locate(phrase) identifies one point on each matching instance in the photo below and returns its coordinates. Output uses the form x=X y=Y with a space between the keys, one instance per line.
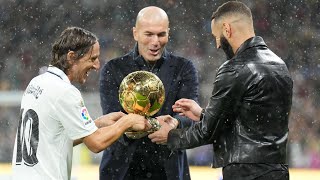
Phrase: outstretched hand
x=188 y=108
x=167 y=123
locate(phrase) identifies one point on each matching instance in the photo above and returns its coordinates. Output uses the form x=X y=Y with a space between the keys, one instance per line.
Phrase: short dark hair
x=231 y=7
x=71 y=39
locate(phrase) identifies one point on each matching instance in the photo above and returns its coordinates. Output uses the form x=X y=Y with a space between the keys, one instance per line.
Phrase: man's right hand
x=138 y=122
x=189 y=108
x=109 y=119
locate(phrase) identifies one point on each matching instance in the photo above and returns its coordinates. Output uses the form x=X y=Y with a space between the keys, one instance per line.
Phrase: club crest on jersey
x=85 y=116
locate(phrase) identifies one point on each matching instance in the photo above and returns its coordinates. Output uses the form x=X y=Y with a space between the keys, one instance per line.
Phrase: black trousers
x=261 y=171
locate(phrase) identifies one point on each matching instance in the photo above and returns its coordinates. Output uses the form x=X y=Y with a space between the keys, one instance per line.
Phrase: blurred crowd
x=289 y=27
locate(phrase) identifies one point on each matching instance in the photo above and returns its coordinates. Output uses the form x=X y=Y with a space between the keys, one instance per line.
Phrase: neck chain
x=151 y=66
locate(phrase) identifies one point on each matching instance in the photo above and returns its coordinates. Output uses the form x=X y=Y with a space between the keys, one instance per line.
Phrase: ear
x=135 y=33
x=226 y=30
x=70 y=57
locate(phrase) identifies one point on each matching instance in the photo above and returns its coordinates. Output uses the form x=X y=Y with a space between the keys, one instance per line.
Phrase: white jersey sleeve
x=73 y=114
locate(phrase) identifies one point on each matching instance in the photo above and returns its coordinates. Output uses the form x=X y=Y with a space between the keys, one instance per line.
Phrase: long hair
x=71 y=39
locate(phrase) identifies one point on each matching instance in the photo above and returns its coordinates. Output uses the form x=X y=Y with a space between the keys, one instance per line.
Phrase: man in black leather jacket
x=246 y=118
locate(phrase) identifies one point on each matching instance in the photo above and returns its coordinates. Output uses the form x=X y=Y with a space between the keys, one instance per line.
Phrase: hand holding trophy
x=143 y=93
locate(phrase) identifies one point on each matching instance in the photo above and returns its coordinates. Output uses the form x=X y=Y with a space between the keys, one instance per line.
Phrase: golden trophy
x=142 y=92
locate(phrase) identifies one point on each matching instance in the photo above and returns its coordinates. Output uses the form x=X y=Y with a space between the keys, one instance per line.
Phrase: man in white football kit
x=53 y=117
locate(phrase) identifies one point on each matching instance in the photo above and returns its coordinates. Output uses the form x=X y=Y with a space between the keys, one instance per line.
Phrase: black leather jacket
x=246 y=119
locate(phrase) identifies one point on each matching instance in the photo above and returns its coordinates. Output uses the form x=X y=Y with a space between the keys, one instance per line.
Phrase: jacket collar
x=250 y=43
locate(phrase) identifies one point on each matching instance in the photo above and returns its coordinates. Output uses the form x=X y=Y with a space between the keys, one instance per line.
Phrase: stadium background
x=291 y=28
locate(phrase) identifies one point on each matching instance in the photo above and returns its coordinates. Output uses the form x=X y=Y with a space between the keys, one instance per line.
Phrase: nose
x=155 y=40
x=96 y=64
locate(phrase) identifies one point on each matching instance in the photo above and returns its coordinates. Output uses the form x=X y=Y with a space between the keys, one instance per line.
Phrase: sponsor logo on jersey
x=85 y=116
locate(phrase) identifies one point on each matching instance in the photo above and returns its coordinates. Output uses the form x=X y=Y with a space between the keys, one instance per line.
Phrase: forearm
x=99 y=123
x=186 y=138
x=213 y=123
x=105 y=136
x=183 y=121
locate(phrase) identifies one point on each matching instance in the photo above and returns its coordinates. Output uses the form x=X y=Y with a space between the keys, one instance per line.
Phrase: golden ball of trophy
x=141 y=92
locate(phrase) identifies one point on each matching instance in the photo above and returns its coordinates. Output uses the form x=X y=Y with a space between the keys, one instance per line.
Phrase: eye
x=163 y=34
x=93 y=59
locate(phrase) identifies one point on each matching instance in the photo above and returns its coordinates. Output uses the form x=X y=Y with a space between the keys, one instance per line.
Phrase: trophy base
x=139 y=134
x=136 y=134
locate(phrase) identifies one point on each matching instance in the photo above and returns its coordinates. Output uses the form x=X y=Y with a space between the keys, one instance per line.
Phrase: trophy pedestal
x=136 y=134
x=155 y=126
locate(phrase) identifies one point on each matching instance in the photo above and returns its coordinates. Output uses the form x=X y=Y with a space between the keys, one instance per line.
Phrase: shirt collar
x=59 y=73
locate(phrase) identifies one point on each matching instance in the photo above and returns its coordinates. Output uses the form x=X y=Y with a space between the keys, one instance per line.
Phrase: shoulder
x=178 y=59
x=48 y=80
x=228 y=66
x=117 y=62
x=180 y=62
x=260 y=59
x=233 y=71
x=68 y=95
x=67 y=90
x=52 y=87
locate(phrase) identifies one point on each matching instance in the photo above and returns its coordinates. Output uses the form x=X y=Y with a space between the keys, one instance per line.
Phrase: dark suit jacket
x=128 y=157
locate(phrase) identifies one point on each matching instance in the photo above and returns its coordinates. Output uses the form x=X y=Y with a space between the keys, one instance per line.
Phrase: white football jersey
x=52 y=115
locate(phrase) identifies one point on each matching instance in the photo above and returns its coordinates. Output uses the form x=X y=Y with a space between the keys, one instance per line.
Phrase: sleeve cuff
x=173 y=139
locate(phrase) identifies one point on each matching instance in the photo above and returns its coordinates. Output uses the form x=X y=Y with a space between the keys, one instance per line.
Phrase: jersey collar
x=59 y=73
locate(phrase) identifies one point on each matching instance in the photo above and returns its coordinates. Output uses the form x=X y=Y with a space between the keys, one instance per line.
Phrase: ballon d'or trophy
x=142 y=92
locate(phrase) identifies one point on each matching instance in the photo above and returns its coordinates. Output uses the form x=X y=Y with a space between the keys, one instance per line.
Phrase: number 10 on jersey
x=27 y=138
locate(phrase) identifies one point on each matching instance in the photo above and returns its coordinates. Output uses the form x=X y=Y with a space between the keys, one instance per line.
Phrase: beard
x=226 y=47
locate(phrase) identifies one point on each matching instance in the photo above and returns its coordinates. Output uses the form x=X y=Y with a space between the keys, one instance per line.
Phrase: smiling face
x=80 y=68
x=151 y=32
